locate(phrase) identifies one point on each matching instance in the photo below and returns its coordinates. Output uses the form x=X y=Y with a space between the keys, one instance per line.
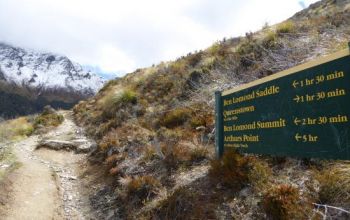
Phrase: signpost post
x=302 y=112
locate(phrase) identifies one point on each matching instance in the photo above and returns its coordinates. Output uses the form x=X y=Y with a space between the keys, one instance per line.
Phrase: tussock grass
x=115 y=100
x=15 y=129
x=138 y=190
x=286 y=27
x=175 y=117
x=48 y=120
x=335 y=185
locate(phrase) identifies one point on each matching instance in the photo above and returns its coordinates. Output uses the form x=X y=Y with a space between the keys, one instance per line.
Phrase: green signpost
x=303 y=112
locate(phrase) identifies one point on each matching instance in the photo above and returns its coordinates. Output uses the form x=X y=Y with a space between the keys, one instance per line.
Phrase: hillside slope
x=30 y=80
x=155 y=132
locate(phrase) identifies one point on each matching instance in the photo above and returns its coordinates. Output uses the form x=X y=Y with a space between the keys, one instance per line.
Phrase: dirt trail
x=47 y=185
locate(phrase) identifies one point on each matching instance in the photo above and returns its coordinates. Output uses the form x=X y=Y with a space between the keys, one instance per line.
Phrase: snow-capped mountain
x=41 y=78
x=45 y=71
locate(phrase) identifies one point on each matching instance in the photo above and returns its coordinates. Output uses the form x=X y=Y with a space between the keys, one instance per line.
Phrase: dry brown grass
x=7 y=157
x=48 y=120
x=141 y=189
x=184 y=203
x=259 y=175
x=15 y=129
x=183 y=155
x=231 y=171
x=286 y=27
x=284 y=202
x=149 y=153
x=236 y=171
x=199 y=153
x=335 y=185
x=175 y=117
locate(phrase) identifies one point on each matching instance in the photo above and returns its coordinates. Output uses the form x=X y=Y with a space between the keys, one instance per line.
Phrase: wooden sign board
x=303 y=112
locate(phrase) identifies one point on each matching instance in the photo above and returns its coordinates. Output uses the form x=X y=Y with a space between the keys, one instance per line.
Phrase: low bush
x=199 y=153
x=236 y=171
x=247 y=47
x=175 y=117
x=142 y=188
x=198 y=121
x=149 y=153
x=175 y=156
x=231 y=171
x=110 y=140
x=183 y=156
x=185 y=204
x=259 y=175
x=285 y=202
x=194 y=59
x=213 y=50
x=249 y=51
x=178 y=68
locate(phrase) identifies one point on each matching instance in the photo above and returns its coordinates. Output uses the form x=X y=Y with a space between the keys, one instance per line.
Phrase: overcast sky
x=118 y=36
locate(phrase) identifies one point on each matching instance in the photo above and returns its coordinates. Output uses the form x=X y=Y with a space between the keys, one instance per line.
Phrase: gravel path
x=47 y=185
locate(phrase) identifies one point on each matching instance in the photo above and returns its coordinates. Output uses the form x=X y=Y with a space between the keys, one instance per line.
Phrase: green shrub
x=284 y=202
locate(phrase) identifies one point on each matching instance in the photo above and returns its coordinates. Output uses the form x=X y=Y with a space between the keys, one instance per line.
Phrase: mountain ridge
x=42 y=78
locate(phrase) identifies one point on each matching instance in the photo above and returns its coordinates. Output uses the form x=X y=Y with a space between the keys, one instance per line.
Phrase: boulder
x=78 y=145
x=57 y=145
